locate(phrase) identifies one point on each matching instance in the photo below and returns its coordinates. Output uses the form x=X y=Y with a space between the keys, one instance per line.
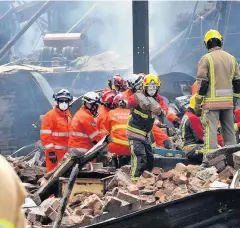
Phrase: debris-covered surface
x=123 y=195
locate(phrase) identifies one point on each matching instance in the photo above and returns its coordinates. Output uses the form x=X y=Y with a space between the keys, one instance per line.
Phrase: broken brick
x=166 y=175
x=130 y=198
x=93 y=202
x=78 y=212
x=156 y=171
x=112 y=204
x=159 y=184
x=180 y=167
x=161 y=196
x=87 y=211
x=133 y=189
x=147 y=174
x=180 y=179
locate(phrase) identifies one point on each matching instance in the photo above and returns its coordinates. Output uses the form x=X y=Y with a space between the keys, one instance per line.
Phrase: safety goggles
x=64 y=101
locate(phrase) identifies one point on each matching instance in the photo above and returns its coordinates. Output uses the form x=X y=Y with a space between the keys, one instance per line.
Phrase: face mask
x=151 y=90
x=63 y=106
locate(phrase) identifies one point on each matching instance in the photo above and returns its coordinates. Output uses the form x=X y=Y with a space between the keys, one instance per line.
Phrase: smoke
x=113 y=30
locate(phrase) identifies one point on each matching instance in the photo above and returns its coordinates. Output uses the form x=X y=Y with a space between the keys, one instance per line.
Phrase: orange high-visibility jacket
x=116 y=125
x=54 y=134
x=100 y=120
x=159 y=135
x=128 y=93
x=83 y=131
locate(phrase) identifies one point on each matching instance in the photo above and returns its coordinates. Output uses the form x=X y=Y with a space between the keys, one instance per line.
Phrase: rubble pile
x=124 y=196
x=29 y=169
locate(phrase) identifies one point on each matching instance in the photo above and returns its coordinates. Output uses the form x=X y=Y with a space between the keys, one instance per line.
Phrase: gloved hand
x=198 y=110
x=53 y=157
x=176 y=123
x=122 y=104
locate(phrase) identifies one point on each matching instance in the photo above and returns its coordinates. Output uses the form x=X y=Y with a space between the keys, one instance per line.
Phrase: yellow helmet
x=212 y=34
x=151 y=80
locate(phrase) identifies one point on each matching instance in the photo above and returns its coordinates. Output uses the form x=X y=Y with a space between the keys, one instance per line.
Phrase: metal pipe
x=7 y=47
x=79 y=21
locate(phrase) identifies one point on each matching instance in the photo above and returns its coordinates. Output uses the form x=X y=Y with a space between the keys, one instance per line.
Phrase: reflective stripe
x=236 y=95
x=220 y=94
x=60 y=147
x=120 y=141
x=45 y=131
x=183 y=129
x=138 y=131
x=80 y=149
x=134 y=160
x=75 y=133
x=6 y=224
x=154 y=145
x=224 y=92
x=143 y=115
x=118 y=126
x=233 y=67
x=94 y=134
x=60 y=134
x=49 y=146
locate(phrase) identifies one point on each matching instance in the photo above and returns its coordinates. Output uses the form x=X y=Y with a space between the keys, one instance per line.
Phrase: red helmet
x=119 y=81
x=107 y=98
x=118 y=98
x=237 y=114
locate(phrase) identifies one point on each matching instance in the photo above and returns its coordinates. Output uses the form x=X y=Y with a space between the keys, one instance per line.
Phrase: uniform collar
x=214 y=49
x=66 y=113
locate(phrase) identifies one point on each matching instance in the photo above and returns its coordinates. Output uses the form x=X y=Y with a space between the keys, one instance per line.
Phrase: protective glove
x=176 y=123
x=122 y=104
x=53 y=157
x=198 y=110
x=236 y=129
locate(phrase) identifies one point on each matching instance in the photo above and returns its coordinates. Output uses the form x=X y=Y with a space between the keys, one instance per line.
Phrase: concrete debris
x=123 y=195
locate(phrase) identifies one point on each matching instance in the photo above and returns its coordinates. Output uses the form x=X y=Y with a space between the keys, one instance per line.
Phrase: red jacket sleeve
x=196 y=126
x=132 y=101
x=163 y=104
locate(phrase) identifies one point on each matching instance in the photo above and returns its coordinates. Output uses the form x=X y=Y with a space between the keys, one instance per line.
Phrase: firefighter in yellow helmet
x=192 y=132
x=218 y=87
x=140 y=124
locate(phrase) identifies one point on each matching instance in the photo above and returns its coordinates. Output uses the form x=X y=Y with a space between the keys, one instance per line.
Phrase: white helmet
x=62 y=93
x=91 y=97
x=135 y=82
x=91 y=101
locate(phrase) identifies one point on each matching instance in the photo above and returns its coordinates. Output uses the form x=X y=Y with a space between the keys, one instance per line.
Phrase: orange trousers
x=49 y=165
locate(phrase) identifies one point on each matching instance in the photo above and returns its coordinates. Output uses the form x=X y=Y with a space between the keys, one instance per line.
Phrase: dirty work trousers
x=210 y=119
x=141 y=157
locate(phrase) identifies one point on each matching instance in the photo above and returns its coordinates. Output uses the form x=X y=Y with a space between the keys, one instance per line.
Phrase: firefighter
x=116 y=125
x=140 y=126
x=107 y=105
x=83 y=132
x=192 y=132
x=219 y=88
x=54 y=132
x=134 y=84
x=119 y=84
x=12 y=196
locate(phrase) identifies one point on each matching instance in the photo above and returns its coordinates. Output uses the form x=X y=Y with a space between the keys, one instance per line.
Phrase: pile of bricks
x=124 y=196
